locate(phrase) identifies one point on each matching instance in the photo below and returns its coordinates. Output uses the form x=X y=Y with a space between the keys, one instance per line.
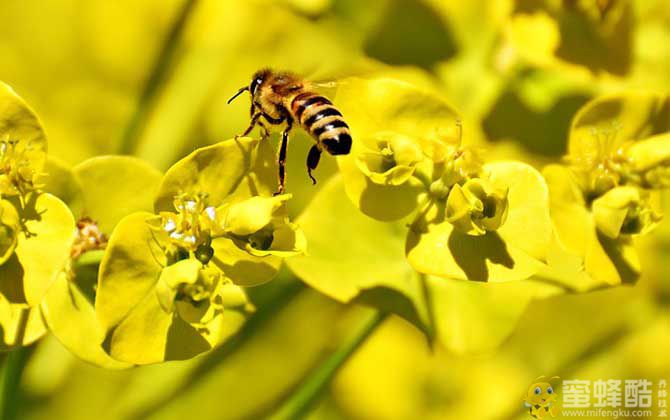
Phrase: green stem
x=157 y=75
x=89 y=258
x=11 y=374
x=306 y=395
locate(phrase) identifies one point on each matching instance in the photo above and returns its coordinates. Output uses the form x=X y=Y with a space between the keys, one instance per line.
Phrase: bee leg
x=312 y=161
x=282 y=158
x=254 y=121
x=266 y=130
x=274 y=121
x=270 y=120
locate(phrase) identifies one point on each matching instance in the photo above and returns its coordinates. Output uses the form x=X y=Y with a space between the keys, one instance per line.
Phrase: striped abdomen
x=317 y=115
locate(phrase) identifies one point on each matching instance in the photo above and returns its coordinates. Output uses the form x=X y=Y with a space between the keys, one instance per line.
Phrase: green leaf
x=570 y=216
x=373 y=271
x=513 y=252
x=42 y=250
x=70 y=315
x=478 y=317
x=115 y=186
x=535 y=37
x=375 y=109
x=18 y=123
x=240 y=266
x=62 y=182
x=371 y=267
x=240 y=168
x=129 y=270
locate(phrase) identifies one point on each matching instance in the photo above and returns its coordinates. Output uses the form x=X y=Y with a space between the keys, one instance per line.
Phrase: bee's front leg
x=282 y=157
x=266 y=130
x=254 y=121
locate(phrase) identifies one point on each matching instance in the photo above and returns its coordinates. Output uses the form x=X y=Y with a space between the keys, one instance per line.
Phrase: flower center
x=15 y=167
x=262 y=239
x=388 y=160
x=190 y=228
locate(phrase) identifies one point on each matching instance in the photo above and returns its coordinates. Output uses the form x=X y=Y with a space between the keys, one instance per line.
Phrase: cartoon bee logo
x=541 y=398
x=284 y=99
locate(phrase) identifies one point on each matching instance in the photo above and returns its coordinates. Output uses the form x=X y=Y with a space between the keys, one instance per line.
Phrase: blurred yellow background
x=517 y=71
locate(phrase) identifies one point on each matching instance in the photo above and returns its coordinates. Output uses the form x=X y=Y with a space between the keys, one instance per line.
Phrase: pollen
x=191 y=225
x=17 y=174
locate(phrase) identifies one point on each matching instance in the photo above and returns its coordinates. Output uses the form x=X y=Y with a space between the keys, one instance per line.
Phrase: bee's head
x=256 y=80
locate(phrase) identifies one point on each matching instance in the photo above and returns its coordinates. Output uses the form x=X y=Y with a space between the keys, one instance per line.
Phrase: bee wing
x=327 y=87
x=326 y=84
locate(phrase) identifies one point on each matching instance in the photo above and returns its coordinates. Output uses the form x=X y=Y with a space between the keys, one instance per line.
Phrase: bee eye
x=538 y=390
x=255 y=84
x=550 y=390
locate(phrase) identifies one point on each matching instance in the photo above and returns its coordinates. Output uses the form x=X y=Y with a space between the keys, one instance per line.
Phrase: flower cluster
x=36 y=228
x=603 y=197
x=184 y=264
x=191 y=236
x=164 y=276
x=419 y=170
x=176 y=264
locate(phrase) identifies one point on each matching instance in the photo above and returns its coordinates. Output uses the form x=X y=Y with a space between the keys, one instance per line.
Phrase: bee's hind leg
x=282 y=158
x=313 y=161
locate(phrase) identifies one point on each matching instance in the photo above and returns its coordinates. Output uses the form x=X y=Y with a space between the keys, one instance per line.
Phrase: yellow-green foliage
x=499 y=216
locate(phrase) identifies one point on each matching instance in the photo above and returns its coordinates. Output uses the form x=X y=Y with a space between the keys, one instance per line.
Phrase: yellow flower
x=260 y=226
x=624 y=211
x=394 y=160
x=477 y=207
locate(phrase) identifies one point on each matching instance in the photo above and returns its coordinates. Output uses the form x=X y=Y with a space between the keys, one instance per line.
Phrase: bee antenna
x=239 y=92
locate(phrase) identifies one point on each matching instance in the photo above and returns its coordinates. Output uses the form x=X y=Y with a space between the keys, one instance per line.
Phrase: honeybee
x=284 y=98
